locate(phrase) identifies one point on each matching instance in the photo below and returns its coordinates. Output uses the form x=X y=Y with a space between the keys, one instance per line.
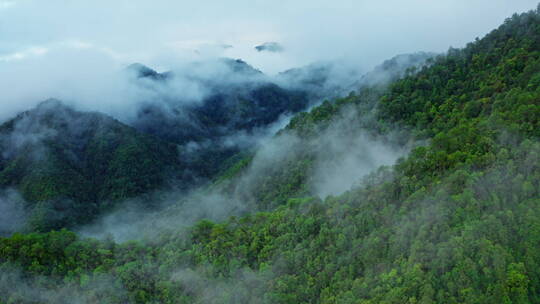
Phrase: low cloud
x=245 y=286
x=19 y=287
x=13 y=216
x=347 y=154
x=41 y=58
x=341 y=155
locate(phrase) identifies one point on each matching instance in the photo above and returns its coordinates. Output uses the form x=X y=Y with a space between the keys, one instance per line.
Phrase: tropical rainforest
x=445 y=210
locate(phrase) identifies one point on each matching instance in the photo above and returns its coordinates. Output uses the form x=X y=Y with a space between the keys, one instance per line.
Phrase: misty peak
x=51 y=103
x=53 y=114
x=395 y=68
x=272 y=47
x=139 y=67
x=51 y=108
x=315 y=73
x=404 y=61
x=142 y=71
x=240 y=66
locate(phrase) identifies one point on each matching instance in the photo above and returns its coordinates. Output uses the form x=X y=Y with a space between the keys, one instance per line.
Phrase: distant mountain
x=209 y=72
x=141 y=71
x=395 y=68
x=239 y=66
x=272 y=47
x=315 y=75
x=328 y=80
x=69 y=165
x=238 y=99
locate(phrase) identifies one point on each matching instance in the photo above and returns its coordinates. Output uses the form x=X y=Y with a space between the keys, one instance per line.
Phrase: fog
x=81 y=52
x=12 y=213
x=339 y=157
x=23 y=288
x=73 y=50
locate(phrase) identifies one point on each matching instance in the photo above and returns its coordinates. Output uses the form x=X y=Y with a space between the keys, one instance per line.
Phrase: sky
x=47 y=46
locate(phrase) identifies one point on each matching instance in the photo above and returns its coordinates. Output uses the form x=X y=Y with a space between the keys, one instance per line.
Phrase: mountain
x=272 y=47
x=330 y=80
x=238 y=101
x=70 y=166
x=395 y=68
x=141 y=71
x=455 y=220
x=236 y=97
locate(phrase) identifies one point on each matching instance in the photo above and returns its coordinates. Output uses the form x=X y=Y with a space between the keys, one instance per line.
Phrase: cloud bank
x=72 y=49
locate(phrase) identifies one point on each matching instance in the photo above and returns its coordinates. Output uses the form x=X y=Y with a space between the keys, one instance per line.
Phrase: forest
x=456 y=219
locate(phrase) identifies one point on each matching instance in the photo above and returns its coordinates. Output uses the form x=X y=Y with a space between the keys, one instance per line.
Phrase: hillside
x=70 y=166
x=455 y=220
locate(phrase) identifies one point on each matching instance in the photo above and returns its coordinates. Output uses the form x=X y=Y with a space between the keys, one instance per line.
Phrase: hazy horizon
x=73 y=50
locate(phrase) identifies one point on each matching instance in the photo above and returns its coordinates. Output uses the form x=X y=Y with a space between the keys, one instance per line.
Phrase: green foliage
x=457 y=221
x=69 y=174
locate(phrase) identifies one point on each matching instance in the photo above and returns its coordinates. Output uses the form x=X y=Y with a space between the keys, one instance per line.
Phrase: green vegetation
x=71 y=166
x=456 y=221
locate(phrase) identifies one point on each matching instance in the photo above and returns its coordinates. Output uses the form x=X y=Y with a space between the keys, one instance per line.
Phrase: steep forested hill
x=455 y=221
x=70 y=166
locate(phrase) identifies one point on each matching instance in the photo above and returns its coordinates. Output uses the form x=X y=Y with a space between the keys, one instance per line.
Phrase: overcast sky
x=57 y=40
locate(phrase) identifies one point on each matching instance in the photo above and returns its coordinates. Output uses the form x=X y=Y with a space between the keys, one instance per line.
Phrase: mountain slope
x=69 y=165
